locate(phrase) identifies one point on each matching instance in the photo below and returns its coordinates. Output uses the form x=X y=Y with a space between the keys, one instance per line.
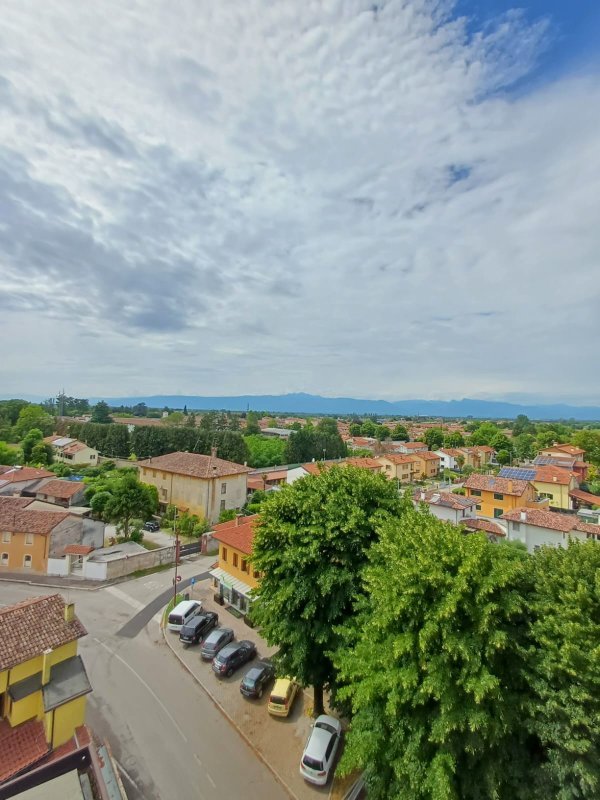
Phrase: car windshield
x=312 y=763
x=175 y=619
x=278 y=700
x=325 y=726
x=250 y=682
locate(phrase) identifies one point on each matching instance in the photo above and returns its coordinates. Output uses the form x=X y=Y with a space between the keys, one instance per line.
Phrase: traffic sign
x=178 y=578
x=192 y=581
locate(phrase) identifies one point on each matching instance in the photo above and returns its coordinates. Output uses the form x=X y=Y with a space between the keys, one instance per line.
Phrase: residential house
x=277 y=433
x=43 y=682
x=201 y=485
x=581 y=499
x=477 y=456
x=266 y=478
x=408 y=448
x=447 y=506
x=311 y=468
x=555 y=484
x=563 y=451
x=70 y=451
x=429 y=464
x=535 y=528
x=399 y=467
x=16 y=480
x=362 y=443
x=61 y=493
x=372 y=464
x=234 y=579
x=497 y=496
x=495 y=532
x=579 y=468
x=450 y=458
x=28 y=539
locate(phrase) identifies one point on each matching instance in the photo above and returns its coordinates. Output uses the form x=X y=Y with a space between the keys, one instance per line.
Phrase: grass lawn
x=150 y=545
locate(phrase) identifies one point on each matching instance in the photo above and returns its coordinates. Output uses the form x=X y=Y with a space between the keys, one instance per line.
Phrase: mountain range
x=301 y=403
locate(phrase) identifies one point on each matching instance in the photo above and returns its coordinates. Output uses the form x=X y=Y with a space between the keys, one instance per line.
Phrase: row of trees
x=468 y=669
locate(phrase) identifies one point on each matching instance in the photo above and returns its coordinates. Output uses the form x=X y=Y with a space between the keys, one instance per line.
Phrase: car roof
x=281 y=685
x=331 y=721
x=317 y=743
x=216 y=634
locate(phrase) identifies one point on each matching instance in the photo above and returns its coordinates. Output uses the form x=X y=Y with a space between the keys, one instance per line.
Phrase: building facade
x=71 y=451
x=538 y=528
x=497 y=496
x=234 y=578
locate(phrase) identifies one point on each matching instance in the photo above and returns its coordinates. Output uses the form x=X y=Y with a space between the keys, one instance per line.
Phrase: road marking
x=197 y=758
x=127 y=775
x=149 y=688
x=125 y=598
x=210 y=780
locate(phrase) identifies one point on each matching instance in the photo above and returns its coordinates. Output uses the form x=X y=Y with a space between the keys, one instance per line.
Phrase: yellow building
x=234 y=577
x=201 y=485
x=497 y=496
x=555 y=483
x=429 y=464
x=401 y=468
x=43 y=682
x=29 y=537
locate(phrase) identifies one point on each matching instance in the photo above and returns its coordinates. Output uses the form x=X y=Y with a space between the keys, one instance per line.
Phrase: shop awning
x=230 y=582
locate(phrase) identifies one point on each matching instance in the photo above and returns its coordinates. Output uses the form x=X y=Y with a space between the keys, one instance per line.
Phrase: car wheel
x=229 y=672
x=260 y=693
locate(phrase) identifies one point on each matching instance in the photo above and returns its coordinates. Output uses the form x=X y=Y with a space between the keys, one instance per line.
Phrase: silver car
x=214 y=642
x=319 y=754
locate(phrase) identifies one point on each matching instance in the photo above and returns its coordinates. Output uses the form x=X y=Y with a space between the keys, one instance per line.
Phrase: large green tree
x=310 y=548
x=563 y=670
x=434 y=438
x=589 y=440
x=312 y=443
x=101 y=413
x=265 y=451
x=400 y=433
x=432 y=666
x=33 y=416
x=129 y=500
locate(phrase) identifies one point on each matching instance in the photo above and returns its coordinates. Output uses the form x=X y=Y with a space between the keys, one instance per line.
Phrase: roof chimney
x=523 y=516
x=69 y=612
x=238 y=519
x=554 y=478
x=46 y=666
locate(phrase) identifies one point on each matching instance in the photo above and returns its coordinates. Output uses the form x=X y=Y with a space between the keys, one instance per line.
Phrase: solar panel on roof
x=518 y=473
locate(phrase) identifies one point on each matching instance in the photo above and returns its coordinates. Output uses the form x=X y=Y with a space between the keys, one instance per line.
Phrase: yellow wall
x=27 y=708
x=197 y=495
x=429 y=467
x=66 y=718
x=3 y=682
x=226 y=560
x=398 y=472
x=34 y=665
x=509 y=501
x=17 y=549
x=560 y=493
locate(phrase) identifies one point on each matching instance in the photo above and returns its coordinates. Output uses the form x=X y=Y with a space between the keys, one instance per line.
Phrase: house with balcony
x=555 y=484
x=497 y=496
x=428 y=464
x=233 y=577
x=447 y=506
x=199 y=484
x=450 y=458
x=43 y=681
x=536 y=528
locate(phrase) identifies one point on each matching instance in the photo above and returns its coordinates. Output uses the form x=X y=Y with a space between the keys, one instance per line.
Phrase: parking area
x=278 y=741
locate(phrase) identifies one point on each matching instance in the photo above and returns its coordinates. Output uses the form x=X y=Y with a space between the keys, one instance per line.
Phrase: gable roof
x=18 y=474
x=426 y=455
x=194 y=465
x=553 y=474
x=484 y=525
x=450 y=451
x=237 y=533
x=551 y=520
x=62 y=489
x=23 y=637
x=586 y=497
x=400 y=458
x=434 y=497
x=413 y=445
x=490 y=483
x=570 y=449
x=365 y=463
x=18 y=519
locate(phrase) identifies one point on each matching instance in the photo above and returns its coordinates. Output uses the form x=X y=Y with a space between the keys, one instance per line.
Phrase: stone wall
x=139 y=561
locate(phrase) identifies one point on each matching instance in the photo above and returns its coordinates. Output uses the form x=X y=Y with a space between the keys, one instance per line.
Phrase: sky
x=390 y=199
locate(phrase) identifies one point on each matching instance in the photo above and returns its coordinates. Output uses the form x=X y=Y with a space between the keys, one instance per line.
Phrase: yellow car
x=282 y=697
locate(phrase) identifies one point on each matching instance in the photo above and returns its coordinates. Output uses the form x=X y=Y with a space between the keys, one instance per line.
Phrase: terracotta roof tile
x=194 y=465
x=552 y=520
x=21 y=747
x=567 y=448
x=62 y=489
x=23 y=637
x=446 y=499
x=451 y=451
x=413 y=445
x=587 y=497
x=490 y=483
x=77 y=549
x=553 y=474
x=25 y=520
x=18 y=474
x=365 y=463
x=237 y=533
x=484 y=525
x=427 y=456
x=401 y=458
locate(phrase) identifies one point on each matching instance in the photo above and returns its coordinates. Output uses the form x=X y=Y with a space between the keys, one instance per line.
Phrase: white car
x=320 y=750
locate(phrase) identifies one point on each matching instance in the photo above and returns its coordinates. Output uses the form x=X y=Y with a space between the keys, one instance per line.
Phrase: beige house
x=198 y=484
x=401 y=468
x=70 y=451
x=429 y=464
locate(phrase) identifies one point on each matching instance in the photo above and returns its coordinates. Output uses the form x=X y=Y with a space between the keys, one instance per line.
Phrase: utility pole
x=176 y=532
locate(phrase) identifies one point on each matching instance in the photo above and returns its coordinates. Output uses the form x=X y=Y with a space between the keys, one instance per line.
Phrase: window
x=154 y=473
x=235 y=559
x=224 y=553
x=516 y=527
x=475 y=493
x=29 y=538
x=222 y=505
x=498 y=512
x=164 y=476
x=244 y=565
x=92 y=457
x=498 y=496
x=4 y=560
x=256 y=574
x=478 y=507
x=223 y=488
x=27 y=561
x=6 y=537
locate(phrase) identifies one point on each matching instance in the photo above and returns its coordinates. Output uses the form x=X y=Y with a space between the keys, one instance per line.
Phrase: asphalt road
x=166 y=735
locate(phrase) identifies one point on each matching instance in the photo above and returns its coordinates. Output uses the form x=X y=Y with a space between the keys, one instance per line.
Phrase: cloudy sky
x=394 y=199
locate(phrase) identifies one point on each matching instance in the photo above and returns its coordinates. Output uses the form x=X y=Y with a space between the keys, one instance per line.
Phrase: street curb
x=57 y=586
x=228 y=717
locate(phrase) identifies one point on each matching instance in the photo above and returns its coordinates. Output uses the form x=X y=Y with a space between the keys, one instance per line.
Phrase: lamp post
x=176 y=532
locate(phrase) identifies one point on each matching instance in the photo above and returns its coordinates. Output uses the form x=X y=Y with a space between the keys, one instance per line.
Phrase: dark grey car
x=214 y=642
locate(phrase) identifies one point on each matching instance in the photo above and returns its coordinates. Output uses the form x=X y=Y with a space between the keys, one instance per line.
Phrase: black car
x=255 y=680
x=198 y=627
x=214 y=642
x=151 y=525
x=233 y=656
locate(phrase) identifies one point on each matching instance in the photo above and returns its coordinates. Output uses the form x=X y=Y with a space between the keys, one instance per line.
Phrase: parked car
x=254 y=681
x=182 y=614
x=233 y=656
x=197 y=627
x=151 y=525
x=215 y=641
x=321 y=747
x=282 y=697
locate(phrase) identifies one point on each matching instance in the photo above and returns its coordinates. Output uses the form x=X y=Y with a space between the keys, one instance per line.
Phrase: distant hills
x=315 y=404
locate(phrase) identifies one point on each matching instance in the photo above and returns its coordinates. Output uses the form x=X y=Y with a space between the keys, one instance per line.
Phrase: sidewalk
x=277 y=741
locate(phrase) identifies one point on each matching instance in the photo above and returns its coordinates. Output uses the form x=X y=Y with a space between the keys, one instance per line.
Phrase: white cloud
x=235 y=198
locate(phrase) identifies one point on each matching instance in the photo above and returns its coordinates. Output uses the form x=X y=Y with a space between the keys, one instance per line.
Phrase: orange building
x=497 y=496
x=234 y=577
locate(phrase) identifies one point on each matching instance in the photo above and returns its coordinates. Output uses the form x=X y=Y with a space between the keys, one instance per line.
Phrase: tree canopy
x=314 y=443
x=310 y=547
x=101 y=413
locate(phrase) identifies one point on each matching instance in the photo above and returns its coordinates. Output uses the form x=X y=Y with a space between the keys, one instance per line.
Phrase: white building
x=447 y=506
x=536 y=527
